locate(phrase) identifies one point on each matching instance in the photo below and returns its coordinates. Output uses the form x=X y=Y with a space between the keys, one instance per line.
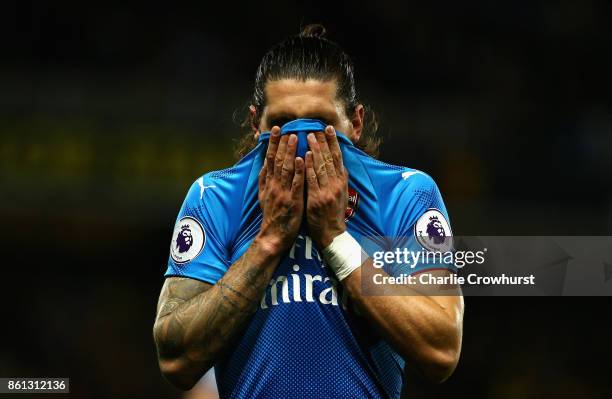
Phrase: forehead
x=301 y=97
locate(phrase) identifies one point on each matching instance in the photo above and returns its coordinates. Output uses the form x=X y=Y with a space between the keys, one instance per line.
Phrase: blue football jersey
x=305 y=340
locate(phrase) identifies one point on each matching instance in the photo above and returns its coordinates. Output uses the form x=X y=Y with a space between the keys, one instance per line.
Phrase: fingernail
x=275 y=132
x=292 y=139
x=311 y=137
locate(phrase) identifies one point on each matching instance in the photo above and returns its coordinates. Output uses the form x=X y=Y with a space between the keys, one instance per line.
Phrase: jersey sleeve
x=198 y=247
x=420 y=225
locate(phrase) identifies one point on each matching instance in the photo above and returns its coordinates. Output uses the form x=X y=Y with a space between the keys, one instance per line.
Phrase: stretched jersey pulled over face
x=305 y=340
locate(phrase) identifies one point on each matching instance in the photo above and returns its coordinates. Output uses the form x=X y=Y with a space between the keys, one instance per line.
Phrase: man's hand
x=281 y=192
x=327 y=181
x=197 y=322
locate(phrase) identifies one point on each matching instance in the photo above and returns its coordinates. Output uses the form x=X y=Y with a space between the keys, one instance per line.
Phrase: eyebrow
x=315 y=115
x=281 y=115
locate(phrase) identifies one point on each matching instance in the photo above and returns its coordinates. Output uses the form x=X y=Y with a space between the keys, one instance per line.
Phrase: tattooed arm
x=195 y=320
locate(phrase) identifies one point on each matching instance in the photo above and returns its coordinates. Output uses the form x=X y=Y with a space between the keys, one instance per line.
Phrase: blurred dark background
x=108 y=113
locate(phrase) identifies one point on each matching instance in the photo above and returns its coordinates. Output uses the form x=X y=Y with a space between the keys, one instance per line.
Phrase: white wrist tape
x=344 y=255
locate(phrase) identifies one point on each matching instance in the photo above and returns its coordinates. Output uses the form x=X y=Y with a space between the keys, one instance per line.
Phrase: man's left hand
x=327 y=181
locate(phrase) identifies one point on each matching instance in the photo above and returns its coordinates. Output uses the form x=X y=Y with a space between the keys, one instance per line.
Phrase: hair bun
x=313 y=30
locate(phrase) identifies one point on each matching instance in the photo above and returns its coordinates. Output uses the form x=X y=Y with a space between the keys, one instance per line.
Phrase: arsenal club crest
x=353 y=203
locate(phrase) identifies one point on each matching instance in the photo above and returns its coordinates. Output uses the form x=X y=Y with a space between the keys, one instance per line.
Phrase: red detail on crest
x=353 y=203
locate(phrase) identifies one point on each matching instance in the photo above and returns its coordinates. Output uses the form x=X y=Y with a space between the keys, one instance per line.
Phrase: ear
x=357 y=122
x=253 y=116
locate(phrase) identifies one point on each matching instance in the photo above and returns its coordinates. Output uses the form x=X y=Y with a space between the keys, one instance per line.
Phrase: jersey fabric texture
x=305 y=340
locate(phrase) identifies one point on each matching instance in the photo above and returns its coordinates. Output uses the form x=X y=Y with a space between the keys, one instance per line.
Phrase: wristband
x=343 y=255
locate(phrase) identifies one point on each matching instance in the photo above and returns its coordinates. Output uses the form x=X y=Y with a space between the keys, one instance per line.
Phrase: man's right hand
x=281 y=192
x=197 y=322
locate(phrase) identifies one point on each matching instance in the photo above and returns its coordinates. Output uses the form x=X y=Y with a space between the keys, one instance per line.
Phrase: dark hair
x=309 y=55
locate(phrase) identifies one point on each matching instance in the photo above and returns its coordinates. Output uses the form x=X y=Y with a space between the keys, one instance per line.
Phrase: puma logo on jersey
x=203 y=187
x=406 y=175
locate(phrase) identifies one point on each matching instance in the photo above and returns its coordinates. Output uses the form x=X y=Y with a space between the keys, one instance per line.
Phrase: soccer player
x=264 y=278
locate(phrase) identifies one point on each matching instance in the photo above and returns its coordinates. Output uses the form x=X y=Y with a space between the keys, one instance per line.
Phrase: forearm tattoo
x=196 y=321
